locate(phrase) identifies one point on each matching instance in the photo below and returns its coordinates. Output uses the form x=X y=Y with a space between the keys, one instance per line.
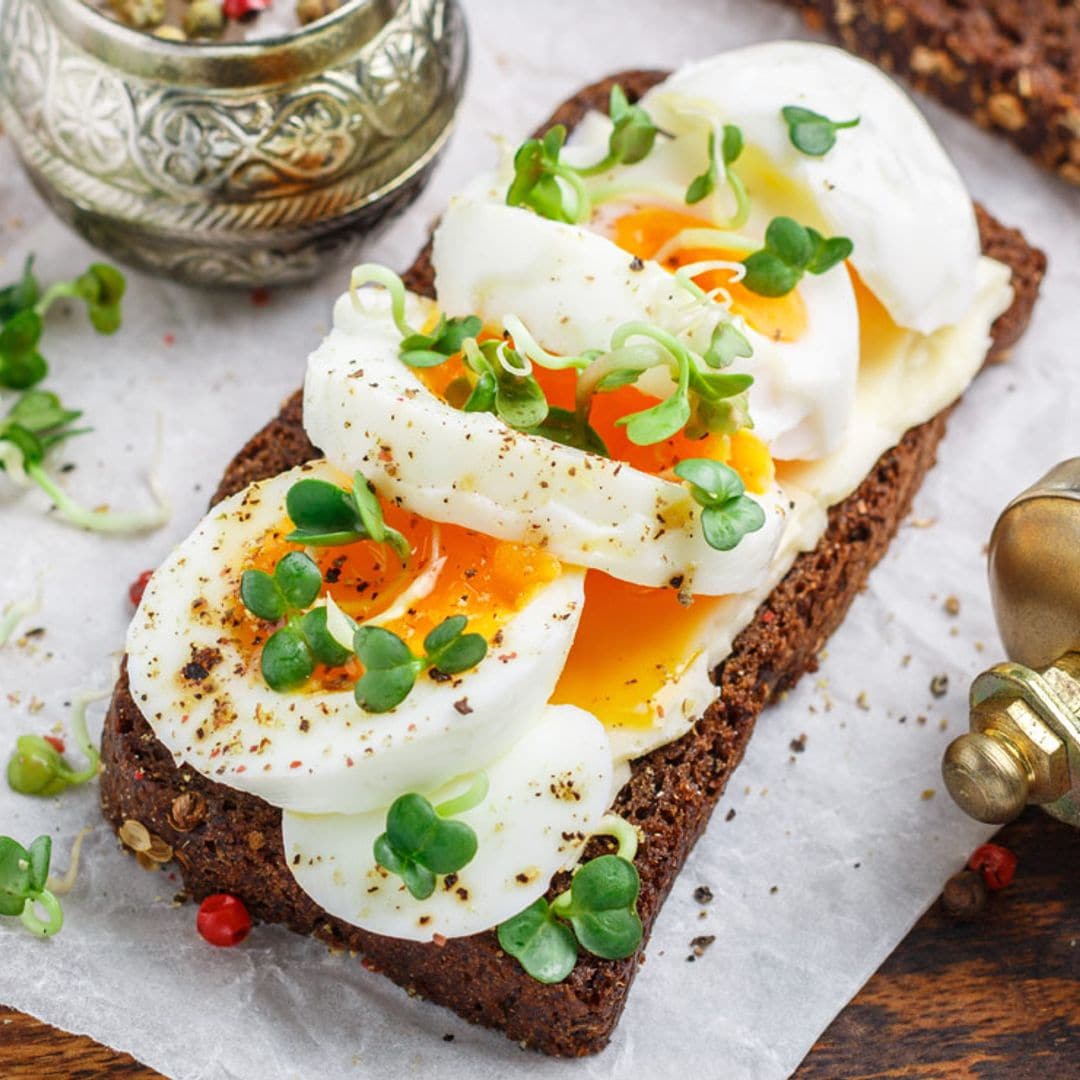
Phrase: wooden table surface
x=995 y=997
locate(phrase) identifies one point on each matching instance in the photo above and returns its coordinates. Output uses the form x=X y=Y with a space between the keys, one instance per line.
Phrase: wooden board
x=996 y=997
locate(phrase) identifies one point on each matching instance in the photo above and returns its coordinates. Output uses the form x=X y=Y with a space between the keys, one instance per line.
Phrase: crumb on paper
x=927 y=794
x=730 y=815
x=798 y=745
x=703 y=894
x=699 y=944
x=863 y=701
x=774 y=889
x=939 y=685
x=922 y=522
x=952 y=605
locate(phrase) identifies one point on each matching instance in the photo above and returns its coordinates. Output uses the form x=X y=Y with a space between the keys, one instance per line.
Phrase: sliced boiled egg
x=369 y=411
x=887 y=184
x=546 y=794
x=575 y=285
x=193 y=655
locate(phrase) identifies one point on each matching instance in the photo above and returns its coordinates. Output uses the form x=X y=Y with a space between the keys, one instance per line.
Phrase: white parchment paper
x=832 y=853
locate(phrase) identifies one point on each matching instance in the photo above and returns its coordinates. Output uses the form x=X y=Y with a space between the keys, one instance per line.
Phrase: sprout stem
x=63 y=884
x=102 y=521
x=16 y=612
x=372 y=273
x=472 y=796
x=623 y=832
x=55 y=915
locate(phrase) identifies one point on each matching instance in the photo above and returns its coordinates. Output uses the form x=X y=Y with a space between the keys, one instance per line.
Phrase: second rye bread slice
x=226 y=841
x=1012 y=66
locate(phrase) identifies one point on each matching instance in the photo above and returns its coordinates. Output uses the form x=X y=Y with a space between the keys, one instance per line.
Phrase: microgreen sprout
x=538 y=169
x=325 y=515
x=633 y=134
x=290 y=654
x=664 y=420
x=731 y=146
x=537 y=172
x=33 y=426
x=24 y=875
x=810 y=132
x=791 y=250
x=101 y=287
x=391 y=668
x=727 y=512
x=22 y=313
x=37 y=765
x=598 y=912
x=505 y=384
x=419 y=843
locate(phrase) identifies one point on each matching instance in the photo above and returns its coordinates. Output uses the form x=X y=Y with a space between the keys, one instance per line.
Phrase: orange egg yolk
x=485 y=579
x=632 y=639
x=746 y=453
x=644 y=232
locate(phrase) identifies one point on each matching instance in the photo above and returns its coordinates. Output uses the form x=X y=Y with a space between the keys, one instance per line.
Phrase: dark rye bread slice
x=227 y=841
x=1013 y=66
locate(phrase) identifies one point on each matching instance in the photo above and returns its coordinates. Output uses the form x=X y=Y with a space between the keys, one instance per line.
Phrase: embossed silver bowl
x=239 y=164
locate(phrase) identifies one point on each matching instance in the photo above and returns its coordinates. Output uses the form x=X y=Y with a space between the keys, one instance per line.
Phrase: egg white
x=887 y=184
x=319 y=751
x=369 y=411
x=546 y=794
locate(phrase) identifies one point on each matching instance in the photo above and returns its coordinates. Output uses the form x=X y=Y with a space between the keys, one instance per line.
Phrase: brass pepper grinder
x=1024 y=742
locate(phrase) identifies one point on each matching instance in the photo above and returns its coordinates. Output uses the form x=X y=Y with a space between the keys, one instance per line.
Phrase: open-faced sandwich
x=460 y=688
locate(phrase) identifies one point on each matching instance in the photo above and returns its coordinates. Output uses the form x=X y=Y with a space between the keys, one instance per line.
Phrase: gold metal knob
x=1024 y=744
x=985 y=777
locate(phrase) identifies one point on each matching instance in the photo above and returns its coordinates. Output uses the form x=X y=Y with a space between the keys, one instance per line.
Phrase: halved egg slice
x=193 y=655
x=369 y=411
x=572 y=285
x=545 y=796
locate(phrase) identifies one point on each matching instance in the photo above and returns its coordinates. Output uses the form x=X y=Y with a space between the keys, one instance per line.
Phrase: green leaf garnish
x=21 y=295
x=790 y=250
x=570 y=429
x=21 y=365
x=603 y=897
x=24 y=883
x=419 y=843
x=727 y=513
x=544 y=946
x=287 y=661
x=325 y=515
x=633 y=134
x=665 y=419
x=538 y=168
x=727 y=344
x=704 y=185
x=430 y=350
x=810 y=132
x=22 y=313
x=38 y=767
x=290 y=654
x=323 y=645
x=600 y=907
x=731 y=146
x=391 y=668
x=537 y=171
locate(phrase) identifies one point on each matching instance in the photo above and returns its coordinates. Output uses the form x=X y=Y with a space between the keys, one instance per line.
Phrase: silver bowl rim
x=222 y=65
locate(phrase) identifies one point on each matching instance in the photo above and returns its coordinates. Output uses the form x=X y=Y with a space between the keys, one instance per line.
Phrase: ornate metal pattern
x=231 y=183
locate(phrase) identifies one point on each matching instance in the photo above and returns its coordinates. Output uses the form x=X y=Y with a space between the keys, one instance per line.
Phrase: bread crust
x=228 y=841
x=1013 y=68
